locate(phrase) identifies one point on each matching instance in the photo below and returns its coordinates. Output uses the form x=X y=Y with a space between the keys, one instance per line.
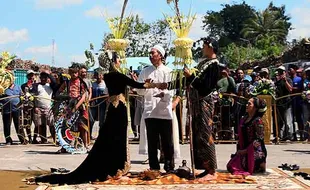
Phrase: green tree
x=265 y=24
x=227 y=23
x=281 y=14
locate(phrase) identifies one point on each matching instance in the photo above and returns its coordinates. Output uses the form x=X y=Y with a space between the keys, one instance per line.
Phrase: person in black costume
x=109 y=154
x=202 y=106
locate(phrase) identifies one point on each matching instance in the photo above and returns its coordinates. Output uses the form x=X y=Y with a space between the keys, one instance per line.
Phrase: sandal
x=294 y=167
x=284 y=166
x=302 y=174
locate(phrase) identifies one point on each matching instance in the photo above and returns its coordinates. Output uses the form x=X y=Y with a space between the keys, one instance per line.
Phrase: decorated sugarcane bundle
x=6 y=76
x=181 y=25
x=119 y=27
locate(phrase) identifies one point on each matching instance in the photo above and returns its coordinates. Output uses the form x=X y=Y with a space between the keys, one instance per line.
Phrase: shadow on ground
x=299 y=151
x=43 y=152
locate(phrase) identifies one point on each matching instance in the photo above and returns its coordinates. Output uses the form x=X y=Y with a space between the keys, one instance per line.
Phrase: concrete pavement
x=43 y=157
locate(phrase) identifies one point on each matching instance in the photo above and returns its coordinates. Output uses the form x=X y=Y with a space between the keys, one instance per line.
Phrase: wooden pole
x=276 y=122
x=181 y=119
x=191 y=133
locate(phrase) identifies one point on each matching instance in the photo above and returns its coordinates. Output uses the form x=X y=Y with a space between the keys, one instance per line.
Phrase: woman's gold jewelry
x=116 y=99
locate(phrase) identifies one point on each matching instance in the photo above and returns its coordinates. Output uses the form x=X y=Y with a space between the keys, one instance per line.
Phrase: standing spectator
x=240 y=76
x=76 y=89
x=83 y=75
x=10 y=110
x=300 y=73
x=226 y=85
x=284 y=106
x=306 y=104
x=27 y=109
x=296 y=103
x=98 y=106
x=255 y=78
x=264 y=73
x=43 y=103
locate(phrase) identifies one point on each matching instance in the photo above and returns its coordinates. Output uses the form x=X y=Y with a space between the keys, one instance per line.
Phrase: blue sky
x=28 y=27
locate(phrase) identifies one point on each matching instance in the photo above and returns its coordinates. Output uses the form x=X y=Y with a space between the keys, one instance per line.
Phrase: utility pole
x=53 y=53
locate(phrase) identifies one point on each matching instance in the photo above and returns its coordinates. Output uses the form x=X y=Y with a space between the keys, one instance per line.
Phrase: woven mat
x=272 y=179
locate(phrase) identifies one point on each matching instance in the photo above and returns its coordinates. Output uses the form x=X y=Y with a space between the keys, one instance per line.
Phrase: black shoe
x=283 y=166
x=302 y=174
x=145 y=161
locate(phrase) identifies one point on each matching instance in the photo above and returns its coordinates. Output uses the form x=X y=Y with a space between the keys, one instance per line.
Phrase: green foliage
x=236 y=21
x=237 y=55
x=265 y=24
x=227 y=23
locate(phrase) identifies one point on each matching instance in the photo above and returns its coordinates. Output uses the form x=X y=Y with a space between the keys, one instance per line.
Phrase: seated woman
x=251 y=152
x=109 y=155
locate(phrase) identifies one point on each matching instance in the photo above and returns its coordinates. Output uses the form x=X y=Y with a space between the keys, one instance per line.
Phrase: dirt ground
x=12 y=180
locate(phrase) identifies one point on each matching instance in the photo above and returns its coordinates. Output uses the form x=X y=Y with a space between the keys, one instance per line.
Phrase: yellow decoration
x=6 y=76
x=183 y=45
x=119 y=45
x=118 y=28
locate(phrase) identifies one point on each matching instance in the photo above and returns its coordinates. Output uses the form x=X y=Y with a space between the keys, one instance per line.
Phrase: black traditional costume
x=202 y=103
x=110 y=151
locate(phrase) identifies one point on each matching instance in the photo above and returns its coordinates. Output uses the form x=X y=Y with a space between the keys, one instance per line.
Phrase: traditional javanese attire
x=202 y=106
x=251 y=139
x=110 y=151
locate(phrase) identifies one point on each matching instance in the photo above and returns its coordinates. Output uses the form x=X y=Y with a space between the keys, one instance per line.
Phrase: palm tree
x=265 y=24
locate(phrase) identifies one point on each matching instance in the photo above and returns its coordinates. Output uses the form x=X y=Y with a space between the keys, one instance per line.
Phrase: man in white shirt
x=42 y=114
x=158 y=110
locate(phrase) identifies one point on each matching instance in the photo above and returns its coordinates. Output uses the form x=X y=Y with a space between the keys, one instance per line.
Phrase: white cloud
x=56 y=4
x=196 y=31
x=96 y=11
x=8 y=36
x=78 y=58
x=41 y=49
x=300 y=23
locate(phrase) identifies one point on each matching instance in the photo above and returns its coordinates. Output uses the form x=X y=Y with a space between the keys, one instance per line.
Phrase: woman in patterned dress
x=251 y=151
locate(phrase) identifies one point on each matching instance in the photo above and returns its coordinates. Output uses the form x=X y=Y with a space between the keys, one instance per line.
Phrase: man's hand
x=160 y=95
x=134 y=76
x=225 y=73
x=162 y=86
x=187 y=72
x=148 y=80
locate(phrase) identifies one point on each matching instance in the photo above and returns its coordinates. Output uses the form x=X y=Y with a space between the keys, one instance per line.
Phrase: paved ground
x=43 y=157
